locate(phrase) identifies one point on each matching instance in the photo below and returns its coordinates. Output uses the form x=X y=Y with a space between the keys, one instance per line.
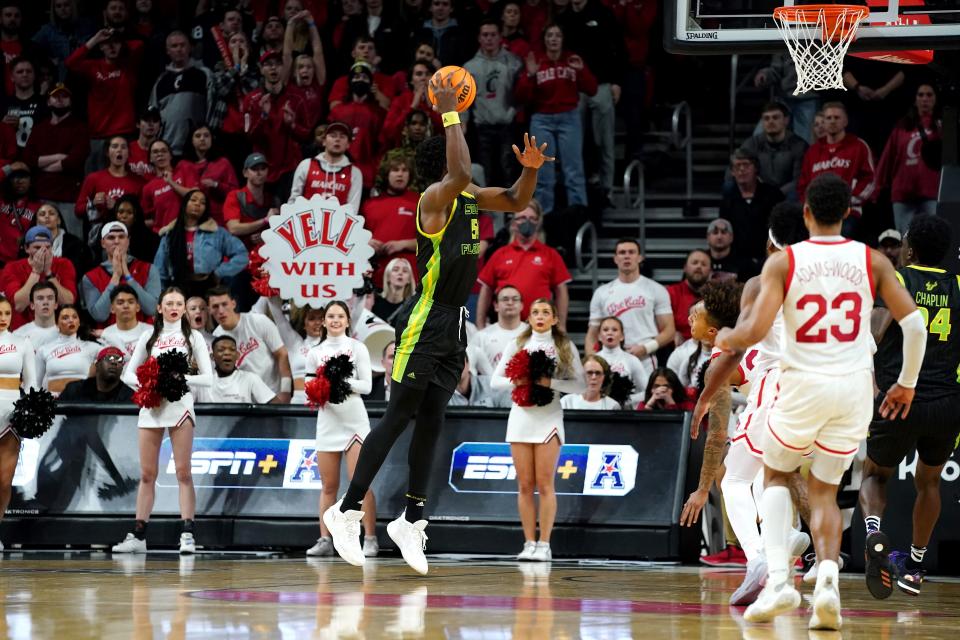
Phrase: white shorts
x=753 y=419
x=825 y=414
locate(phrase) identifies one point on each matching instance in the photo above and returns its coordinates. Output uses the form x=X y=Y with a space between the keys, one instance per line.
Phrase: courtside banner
x=261 y=462
x=316 y=250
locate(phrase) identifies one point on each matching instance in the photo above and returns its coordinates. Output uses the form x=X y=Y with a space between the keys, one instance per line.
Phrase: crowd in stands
x=147 y=144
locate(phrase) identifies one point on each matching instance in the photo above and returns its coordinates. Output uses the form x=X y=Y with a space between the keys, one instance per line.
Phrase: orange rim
x=839 y=19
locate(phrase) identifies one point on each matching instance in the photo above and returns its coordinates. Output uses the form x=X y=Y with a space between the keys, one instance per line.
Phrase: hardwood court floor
x=92 y=595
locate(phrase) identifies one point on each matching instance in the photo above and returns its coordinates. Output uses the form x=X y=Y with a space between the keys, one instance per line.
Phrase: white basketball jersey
x=826 y=309
x=768 y=349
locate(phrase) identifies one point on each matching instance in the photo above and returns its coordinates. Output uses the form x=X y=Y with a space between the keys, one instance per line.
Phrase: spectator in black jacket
x=448 y=38
x=748 y=208
x=104 y=385
x=183 y=93
x=779 y=151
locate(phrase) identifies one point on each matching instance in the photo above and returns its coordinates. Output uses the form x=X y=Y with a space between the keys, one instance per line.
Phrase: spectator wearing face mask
x=361 y=112
x=535 y=269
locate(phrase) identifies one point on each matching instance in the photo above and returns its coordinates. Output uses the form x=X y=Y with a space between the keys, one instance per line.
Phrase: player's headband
x=773 y=240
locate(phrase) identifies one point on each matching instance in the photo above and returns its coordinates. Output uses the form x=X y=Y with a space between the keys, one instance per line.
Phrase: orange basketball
x=467 y=92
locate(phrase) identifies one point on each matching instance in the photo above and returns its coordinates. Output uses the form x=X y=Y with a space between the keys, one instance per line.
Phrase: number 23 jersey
x=826 y=307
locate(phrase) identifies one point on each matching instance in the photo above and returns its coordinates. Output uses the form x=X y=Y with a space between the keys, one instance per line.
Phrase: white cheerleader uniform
x=66 y=357
x=17 y=360
x=171 y=338
x=605 y=403
x=536 y=425
x=341 y=425
x=629 y=365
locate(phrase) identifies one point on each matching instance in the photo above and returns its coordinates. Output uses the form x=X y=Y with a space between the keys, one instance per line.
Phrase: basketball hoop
x=818 y=36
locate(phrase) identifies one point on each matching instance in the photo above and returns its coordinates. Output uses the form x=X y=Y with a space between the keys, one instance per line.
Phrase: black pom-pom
x=172 y=381
x=33 y=413
x=540 y=396
x=541 y=365
x=338 y=370
x=621 y=387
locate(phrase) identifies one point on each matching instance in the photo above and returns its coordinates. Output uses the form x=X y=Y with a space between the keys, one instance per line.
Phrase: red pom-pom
x=146 y=395
x=519 y=366
x=521 y=394
x=317 y=389
x=260 y=282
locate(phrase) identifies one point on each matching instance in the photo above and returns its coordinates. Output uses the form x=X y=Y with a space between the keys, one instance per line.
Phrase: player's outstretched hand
x=699 y=413
x=532 y=155
x=693 y=507
x=897 y=400
x=445 y=93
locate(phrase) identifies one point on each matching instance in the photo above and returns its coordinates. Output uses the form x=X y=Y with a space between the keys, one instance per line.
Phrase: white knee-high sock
x=742 y=514
x=777 y=513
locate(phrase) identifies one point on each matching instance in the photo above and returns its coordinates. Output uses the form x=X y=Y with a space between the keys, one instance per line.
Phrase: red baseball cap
x=110 y=351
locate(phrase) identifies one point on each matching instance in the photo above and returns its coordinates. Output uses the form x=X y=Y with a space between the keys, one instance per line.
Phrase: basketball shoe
x=187 y=544
x=909 y=581
x=344 y=528
x=732 y=556
x=879 y=572
x=826 y=607
x=130 y=544
x=411 y=540
x=528 y=549
x=773 y=600
x=323 y=548
x=542 y=553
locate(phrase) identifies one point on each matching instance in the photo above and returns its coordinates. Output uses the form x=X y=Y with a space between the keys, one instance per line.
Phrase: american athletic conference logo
x=582 y=469
x=316 y=250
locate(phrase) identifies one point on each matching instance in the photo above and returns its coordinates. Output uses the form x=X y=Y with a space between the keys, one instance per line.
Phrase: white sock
x=777 y=513
x=742 y=514
x=827 y=569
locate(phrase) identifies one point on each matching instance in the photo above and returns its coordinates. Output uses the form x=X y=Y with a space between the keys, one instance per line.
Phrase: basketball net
x=818 y=37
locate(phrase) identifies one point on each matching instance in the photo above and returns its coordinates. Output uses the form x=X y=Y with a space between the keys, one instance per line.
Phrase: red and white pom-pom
x=146 y=395
x=260 y=282
x=519 y=366
x=317 y=389
x=521 y=395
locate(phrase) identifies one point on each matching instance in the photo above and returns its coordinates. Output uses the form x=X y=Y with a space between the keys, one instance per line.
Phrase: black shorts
x=932 y=427
x=431 y=345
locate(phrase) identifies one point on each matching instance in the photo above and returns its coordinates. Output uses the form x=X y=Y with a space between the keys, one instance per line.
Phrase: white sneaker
x=130 y=544
x=773 y=600
x=542 y=553
x=1 y=547
x=527 y=554
x=810 y=577
x=799 y=542
x=344 y=529
x=323 y=547
x=370 y=546
x=826 y=607
x=752 y=584
x=411 y=540
x=187 y=544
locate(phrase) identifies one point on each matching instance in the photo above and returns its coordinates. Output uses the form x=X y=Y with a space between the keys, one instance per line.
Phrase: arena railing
x=593 y=265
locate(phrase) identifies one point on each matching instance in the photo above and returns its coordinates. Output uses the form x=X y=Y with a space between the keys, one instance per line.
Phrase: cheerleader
x=341 y=428
x=171 y=332
x=597 y=373
x=536 y=433
x=17 y=370
x=69 y=356
x=623 y=362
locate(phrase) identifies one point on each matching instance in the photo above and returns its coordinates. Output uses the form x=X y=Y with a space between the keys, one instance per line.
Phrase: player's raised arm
x=438 y=196
x=896 y=298
x=517 y=197
x=752 y=328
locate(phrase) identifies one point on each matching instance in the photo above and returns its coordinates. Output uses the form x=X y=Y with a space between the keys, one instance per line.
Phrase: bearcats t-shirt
x=239 y=387
x=257 y=338
x=635 y=303
x=124 y=339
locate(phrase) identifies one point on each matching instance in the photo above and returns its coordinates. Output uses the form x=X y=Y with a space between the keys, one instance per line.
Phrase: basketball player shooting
x=824 y=402
x=431 y=336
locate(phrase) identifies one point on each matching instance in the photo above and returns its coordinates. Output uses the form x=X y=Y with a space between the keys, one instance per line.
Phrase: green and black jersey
x=937 y=295
x=447 y=259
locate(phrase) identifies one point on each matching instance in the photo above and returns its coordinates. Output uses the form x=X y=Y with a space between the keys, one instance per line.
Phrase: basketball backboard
x=741 y=26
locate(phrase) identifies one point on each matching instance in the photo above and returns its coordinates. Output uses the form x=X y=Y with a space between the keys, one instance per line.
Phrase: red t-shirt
x=160 y=202
x=682 y=297
x=104 y=182
x=139 y=161
x=535 y=272
x=110 y=89
x=16 y=216
x=15 y=274
x=12 y=50
x=392 y=217
x=341 y=87
x=271 y=135
x=220 y=171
